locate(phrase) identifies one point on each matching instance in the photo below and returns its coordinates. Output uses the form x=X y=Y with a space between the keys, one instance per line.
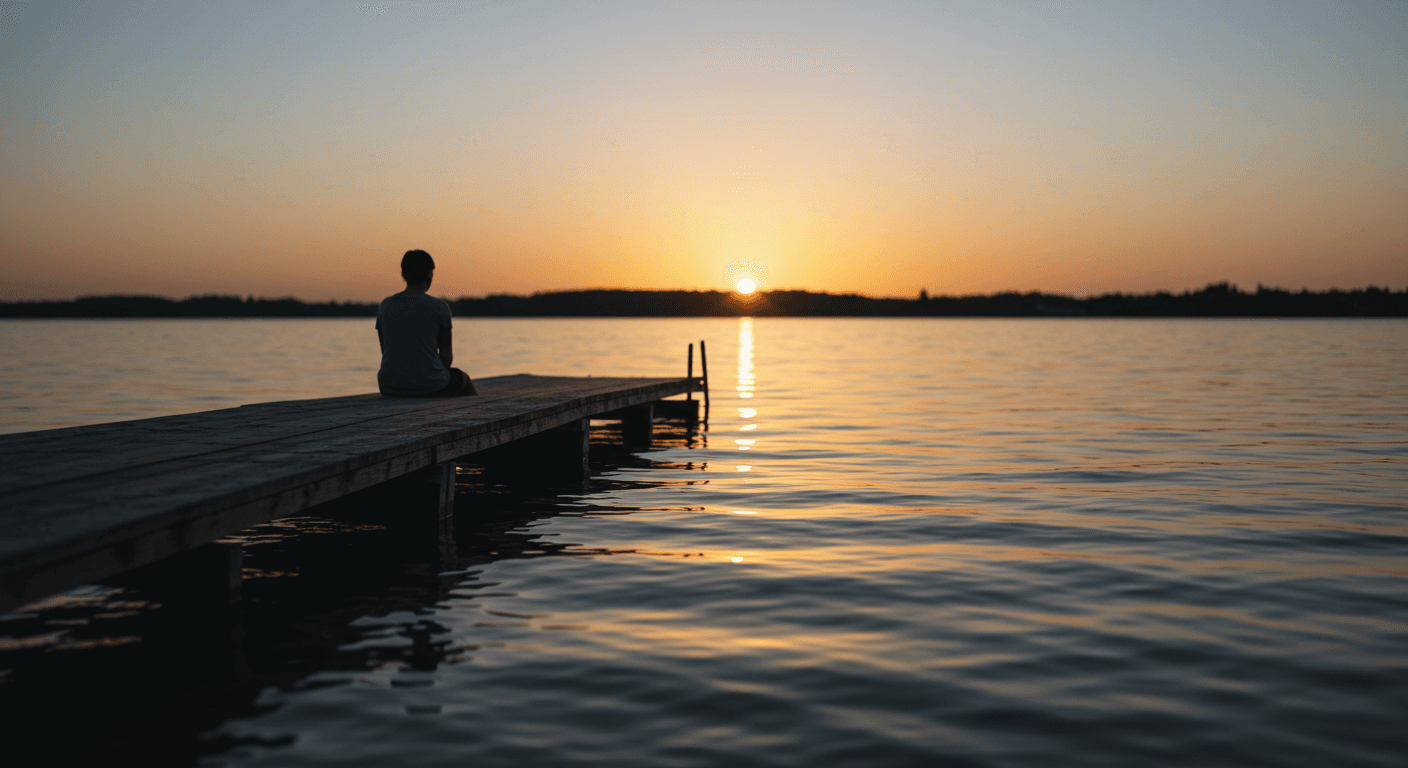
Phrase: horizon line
x=920 y=294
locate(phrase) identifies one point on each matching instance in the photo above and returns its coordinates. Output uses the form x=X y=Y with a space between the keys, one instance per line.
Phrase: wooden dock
x=84 y=503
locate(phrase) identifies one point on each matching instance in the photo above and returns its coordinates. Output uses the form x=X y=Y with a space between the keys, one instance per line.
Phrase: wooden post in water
x=448 y=472
x=445 y=517
x=228 y=571
x=638 y=425
x=575 y=438
x=704 y=366
x=689 y=373
x=204 y=579
x=686 y=410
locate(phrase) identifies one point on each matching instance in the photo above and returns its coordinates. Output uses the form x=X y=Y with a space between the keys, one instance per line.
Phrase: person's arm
x=380 y=342
x=447 y=352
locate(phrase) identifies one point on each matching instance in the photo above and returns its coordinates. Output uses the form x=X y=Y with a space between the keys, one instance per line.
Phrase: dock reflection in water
x=968 y=542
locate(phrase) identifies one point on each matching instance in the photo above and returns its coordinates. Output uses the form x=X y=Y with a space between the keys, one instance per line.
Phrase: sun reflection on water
x=746 y=379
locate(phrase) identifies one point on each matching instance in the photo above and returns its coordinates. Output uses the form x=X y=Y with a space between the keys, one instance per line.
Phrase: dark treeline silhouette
x=1216 y=300
x=195 y=306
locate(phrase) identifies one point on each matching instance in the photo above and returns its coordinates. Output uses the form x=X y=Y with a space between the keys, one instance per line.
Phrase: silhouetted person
x=413 y=328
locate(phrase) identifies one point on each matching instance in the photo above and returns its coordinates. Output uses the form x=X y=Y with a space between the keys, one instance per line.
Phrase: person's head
x=417 y=267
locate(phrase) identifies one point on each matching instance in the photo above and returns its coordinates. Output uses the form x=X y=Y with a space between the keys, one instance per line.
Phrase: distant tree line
x=1215 y=300
x=195 y=306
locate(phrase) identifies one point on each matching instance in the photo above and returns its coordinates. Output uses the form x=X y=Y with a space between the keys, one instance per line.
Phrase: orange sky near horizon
x=959 y=148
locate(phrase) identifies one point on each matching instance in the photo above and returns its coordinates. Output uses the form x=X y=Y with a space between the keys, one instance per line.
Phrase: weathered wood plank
x=38 y=458
x=331 y=451
x=35 y=459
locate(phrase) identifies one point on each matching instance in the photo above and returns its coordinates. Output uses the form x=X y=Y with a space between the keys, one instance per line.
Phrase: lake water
x=929 y=542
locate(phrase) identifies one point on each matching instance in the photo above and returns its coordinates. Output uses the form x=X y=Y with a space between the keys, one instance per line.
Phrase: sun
x=746 y=277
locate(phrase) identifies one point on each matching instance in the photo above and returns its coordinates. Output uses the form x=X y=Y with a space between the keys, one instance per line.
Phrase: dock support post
x=445 y=518
x=637 y=424
x=677 y=410
x=575 y=438
x=704 y=369
x=448 y=470
x=226 y=571
x=689 y=373
x=207 y=578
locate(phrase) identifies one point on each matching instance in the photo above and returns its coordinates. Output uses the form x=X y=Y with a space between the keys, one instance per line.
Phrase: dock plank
x=34 y=459
x=80 y=503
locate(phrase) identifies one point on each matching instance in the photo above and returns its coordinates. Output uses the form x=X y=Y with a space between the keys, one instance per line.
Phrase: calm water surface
x=900 y=542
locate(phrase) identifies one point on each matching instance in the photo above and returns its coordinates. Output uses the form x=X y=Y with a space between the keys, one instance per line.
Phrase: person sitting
x=413 y=329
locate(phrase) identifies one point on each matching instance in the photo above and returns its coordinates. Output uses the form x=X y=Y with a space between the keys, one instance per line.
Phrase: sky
x=298 y=149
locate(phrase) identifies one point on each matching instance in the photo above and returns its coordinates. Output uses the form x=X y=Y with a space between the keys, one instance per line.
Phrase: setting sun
x=746 y=286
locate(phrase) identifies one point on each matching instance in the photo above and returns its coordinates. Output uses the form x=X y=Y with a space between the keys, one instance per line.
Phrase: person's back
x=414 y=330
x=410 y=325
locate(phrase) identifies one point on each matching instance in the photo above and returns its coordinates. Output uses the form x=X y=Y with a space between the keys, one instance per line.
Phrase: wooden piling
x=445 y=524
x=683 y=410
x=448 y=472
x=637 y=425
x=575 y=440
x=206 y=579
x=704 y=369
x=228 y=569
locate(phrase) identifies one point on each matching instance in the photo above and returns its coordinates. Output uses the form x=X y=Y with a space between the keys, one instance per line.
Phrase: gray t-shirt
x=410 y=325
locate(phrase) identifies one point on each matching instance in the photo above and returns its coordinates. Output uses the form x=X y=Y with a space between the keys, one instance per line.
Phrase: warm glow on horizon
x=845 y=147
x=746 y=286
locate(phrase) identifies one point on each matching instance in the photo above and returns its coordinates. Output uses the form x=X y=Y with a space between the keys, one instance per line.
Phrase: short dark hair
x=416 y=266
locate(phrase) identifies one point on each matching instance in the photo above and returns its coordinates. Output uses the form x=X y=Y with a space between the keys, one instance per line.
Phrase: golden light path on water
x=746 y=388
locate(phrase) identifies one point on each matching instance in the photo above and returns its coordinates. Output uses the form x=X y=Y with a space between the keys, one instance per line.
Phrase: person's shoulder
x=396 y=302
x=438 y=303
x=407 y=301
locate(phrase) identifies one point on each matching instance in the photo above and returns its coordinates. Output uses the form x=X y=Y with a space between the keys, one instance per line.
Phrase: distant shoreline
x=1215 y=300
